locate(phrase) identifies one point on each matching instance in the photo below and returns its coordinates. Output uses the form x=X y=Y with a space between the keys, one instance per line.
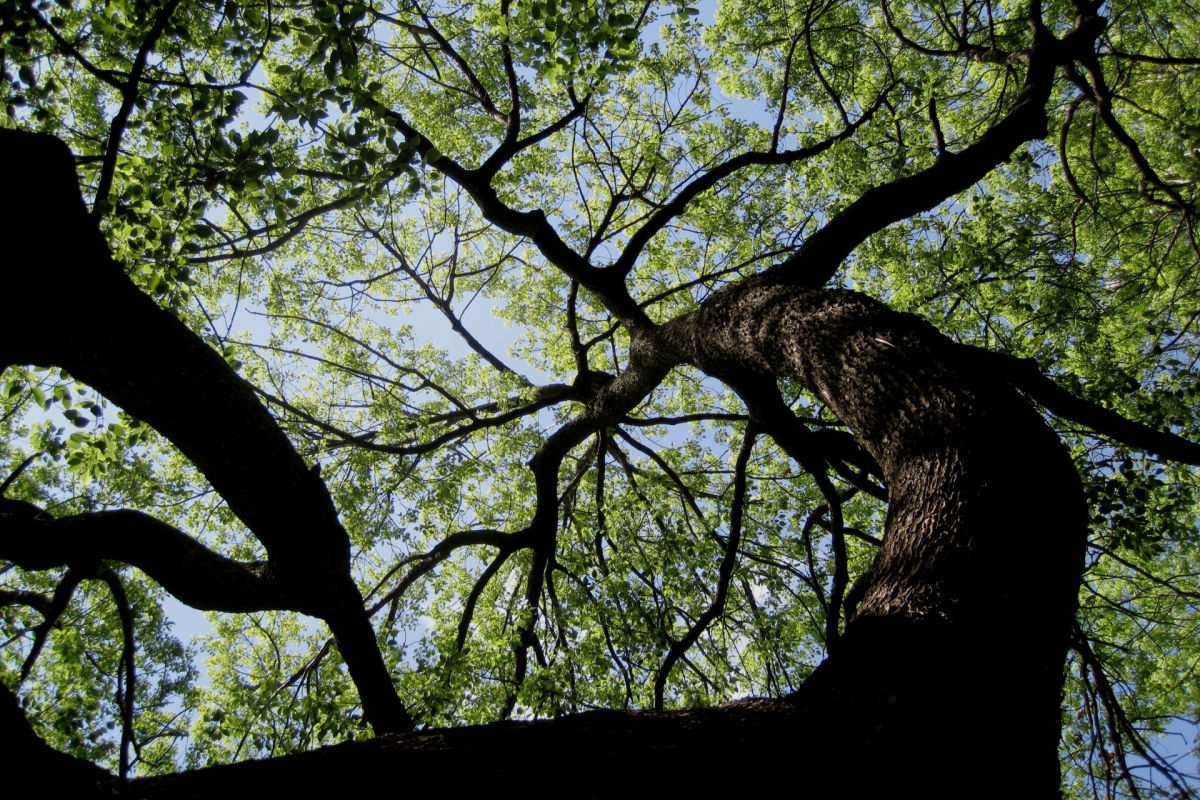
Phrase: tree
x=852 y=368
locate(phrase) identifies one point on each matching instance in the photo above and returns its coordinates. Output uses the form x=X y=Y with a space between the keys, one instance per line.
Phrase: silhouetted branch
x=725 y=574
x=129 y=96
x=195 y=575
x=674 y=207
x=882 y=205
x=58 y=604
x=127 y=672
x=1027 y=376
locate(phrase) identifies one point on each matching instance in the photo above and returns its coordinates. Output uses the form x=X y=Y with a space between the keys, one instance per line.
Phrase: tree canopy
x=475 y=361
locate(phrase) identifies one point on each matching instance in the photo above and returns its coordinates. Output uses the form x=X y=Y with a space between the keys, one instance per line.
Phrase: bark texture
x=952 y=660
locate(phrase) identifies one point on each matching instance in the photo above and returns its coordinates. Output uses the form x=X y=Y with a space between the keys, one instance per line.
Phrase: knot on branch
x=590 y=381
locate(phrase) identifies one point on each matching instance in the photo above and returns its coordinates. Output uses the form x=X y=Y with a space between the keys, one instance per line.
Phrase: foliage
x=380 y=213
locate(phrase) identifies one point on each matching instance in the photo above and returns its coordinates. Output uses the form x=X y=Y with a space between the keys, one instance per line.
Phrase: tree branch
x=58 y=604
x=119 y=341
x=193 y=574
x=725 y=573
x=129 y=95
x=676 y=205
x=127 y=672
x=1028 y=377
x=533 y=225
x=880 y=206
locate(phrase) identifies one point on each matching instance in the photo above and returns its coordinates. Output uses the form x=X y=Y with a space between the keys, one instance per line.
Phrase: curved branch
x=127 y=673
x=965 y=49
x=1122 y=728
x=1102 y=100
x=506 y=542
x=509 y=148
x=1063 y=159
x=533 y=225
x=21 y=597
x=120 y=342
x=880 y=206
x=676 y=205
x=193 y=574
x=667 y=470
x=468 y=612
x=106 y=76
x=129 y=96
x=766 y=405
x=58 y=604
x=441 y=303
x=480 y=91
x=292 y=227
x=611 y=401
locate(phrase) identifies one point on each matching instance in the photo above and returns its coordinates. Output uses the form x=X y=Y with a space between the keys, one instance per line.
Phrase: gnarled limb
x=116 y=339
x=939 y=604
x=193 y=574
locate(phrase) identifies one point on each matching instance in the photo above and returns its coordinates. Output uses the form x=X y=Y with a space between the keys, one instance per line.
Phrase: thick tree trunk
x=947 y=679
x=951 y=667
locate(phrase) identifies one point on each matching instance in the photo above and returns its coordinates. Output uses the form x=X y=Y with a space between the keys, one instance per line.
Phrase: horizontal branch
x=193 y=574
x=291 y=228
x=1166 y=61
x=20 y=597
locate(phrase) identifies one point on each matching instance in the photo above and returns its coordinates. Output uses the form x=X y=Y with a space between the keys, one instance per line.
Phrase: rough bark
x=956 y=646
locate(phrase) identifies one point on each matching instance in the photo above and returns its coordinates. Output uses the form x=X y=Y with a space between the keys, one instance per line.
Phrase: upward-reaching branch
x=725 y=573
x=129 y=89
x=676 y=205
x=880 y=206
x=533 y=224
